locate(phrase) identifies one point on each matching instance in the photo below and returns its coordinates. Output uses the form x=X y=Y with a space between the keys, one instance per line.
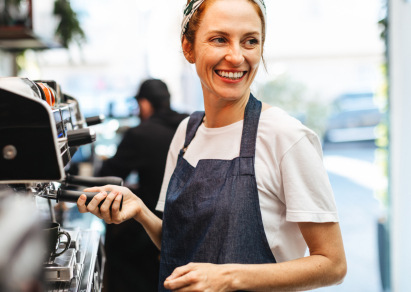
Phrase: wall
x=400 y=143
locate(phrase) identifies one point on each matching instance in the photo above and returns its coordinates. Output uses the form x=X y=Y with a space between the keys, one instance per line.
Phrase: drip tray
x=62 y=269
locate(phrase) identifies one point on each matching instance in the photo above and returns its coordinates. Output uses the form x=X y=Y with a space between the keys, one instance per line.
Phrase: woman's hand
x=109 y=211
x=197 y=277
x=325 y=266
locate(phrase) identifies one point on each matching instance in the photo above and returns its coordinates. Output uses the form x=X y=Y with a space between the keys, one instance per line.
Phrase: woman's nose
x=235 y=55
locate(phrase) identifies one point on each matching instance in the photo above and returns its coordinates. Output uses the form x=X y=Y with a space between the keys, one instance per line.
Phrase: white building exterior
x=400 y=143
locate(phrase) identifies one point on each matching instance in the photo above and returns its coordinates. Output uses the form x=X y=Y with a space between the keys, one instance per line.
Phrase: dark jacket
x=132 y=259
x=144 y=149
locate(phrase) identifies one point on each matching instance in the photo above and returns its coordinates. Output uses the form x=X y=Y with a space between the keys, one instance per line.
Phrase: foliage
x=295 y=98
x=67 y=31
x=69 y=28
x=382 y=142
x=383 y=22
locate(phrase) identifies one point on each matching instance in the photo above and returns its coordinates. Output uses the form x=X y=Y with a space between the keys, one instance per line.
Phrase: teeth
x=230 y=75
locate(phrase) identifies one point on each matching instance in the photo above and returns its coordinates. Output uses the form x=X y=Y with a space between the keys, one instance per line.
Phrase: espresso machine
x=41 y=128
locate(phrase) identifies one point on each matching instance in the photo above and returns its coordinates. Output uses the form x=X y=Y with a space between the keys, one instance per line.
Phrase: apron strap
x=250 y=126
x=194 y=122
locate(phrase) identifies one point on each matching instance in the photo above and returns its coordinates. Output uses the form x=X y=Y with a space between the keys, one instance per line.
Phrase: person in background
x=245 y=191
x=132 y=259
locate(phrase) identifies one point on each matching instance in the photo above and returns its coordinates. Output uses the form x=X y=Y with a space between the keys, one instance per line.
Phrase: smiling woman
x=226 y=51
x=245 y=191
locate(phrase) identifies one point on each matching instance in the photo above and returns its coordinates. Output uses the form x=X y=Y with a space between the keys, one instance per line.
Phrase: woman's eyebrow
x=219 y=32
x=224 y=33
x=252 y=33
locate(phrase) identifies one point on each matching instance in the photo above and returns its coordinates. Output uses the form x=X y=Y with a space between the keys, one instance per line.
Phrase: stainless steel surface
x=75 y=239
x=38 y=168
x=85 y=263
x=62 y=269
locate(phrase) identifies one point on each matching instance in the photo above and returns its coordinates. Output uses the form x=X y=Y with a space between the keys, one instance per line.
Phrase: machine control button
x=9 y=152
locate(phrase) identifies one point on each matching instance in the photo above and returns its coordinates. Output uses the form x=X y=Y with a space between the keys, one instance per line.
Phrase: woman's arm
x=152 y=225
x=132 y=207
x=325 y=266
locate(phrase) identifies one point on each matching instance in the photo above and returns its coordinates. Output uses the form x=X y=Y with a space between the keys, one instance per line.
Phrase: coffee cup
x=54 y=244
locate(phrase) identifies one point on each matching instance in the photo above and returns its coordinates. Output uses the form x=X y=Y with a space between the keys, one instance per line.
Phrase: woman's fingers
x=93 y=206
x=178 y=279
x=110 y=209
x=179 y=271
x=115 y=209
x=105 y=208
x=94 y=189
x=81 y=204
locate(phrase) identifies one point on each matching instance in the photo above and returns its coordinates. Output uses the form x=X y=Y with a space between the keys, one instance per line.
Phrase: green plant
x=68 y=29
x=382 y=160
x=382 y=99
x=382 y=141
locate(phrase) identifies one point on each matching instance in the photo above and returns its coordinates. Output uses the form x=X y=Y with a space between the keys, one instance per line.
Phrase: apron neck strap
x=194 y=122
x=250 y=126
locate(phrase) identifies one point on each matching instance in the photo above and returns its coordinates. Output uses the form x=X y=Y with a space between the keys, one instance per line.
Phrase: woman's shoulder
x=275 y=123
x=278 y=118
x=182 y=128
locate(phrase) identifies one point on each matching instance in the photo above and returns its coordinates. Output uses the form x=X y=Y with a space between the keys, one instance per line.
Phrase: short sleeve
x=307 y=190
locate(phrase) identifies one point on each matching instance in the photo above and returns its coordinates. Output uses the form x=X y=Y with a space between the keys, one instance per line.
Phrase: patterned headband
x=193 y=6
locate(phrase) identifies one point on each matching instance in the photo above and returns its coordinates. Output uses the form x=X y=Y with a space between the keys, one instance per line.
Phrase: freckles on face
x=228 y=47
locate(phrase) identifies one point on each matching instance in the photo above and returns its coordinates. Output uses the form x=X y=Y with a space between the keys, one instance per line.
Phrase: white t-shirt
x=292 y=183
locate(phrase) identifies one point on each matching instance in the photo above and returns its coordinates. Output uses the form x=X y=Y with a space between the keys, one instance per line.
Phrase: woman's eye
x=218 y=40
x=251 y=42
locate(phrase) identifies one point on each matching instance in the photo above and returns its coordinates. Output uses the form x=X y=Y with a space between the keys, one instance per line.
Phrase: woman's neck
x=220 y=113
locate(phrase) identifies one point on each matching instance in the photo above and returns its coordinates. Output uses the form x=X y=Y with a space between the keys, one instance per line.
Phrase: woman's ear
x=187 y=50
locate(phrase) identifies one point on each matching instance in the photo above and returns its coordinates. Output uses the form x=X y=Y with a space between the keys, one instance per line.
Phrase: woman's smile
x=231 y=76
x=227 y=50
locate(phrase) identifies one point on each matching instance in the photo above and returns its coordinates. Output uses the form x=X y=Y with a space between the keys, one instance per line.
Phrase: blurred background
x=327 y=64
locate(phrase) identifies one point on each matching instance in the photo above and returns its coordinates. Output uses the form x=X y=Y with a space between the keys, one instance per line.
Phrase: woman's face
x=227 y=49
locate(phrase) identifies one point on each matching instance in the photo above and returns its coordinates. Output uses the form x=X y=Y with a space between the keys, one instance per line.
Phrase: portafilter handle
x=93 y=181
x=72 y=196
x=80 y=137
x=91 y=121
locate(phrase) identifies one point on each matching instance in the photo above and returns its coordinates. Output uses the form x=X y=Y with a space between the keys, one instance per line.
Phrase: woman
x=245 y=191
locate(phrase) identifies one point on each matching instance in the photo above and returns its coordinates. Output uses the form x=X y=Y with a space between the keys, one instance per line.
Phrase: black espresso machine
x=41 y=128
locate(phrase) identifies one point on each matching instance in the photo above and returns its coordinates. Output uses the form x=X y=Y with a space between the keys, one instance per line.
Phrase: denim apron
x=212 y=212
